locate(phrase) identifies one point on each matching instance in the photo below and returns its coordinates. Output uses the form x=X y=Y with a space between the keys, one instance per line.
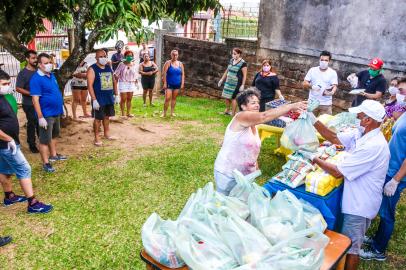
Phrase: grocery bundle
x=248 y=230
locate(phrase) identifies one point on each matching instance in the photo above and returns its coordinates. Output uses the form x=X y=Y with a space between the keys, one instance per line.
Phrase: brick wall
x=205 y=62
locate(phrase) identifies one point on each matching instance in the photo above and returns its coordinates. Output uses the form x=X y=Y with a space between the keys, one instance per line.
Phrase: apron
x=232 y=79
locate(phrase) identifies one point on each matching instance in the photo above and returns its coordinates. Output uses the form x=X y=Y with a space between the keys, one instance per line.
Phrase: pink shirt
x=126 y=73
x=240 y=150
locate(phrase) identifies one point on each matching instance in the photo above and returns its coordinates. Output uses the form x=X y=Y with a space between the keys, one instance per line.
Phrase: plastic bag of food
x=300 y=135
x=158 y=240
x=275 y=228
x=342 y=121
x=244 y=186
x=201 y=247
x=312 y=104
x=304 y=250
x=313 y=217
x=246 y=242
x=286 y=206
x=259 y=204
x=291 y=178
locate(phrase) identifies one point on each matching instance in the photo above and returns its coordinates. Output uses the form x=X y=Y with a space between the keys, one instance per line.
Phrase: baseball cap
x=376 y=63
x=371 y=108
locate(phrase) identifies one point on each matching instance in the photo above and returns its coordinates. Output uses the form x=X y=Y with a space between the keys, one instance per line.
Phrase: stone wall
x=354 y=30
x=205 y=62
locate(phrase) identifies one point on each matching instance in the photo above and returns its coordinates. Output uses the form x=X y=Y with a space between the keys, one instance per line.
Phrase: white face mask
x=361 y=129
x=103 y=61
x=48 y=67
x=400 y=98
x=323 y=64
x=5 y=89
x=393 y=90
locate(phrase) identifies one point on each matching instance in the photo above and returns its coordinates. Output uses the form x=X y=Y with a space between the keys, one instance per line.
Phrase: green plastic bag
x=244 y=185
x=259 y=203
x=313 y=217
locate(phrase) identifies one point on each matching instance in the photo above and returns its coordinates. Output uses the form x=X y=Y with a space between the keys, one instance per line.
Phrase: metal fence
x=52 y=41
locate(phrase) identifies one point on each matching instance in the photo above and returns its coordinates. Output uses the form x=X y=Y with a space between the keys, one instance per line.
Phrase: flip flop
x=130 y=115
x=98 y=144
x=111 y=138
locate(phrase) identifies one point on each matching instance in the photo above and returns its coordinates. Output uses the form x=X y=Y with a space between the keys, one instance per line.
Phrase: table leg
x=341 y=263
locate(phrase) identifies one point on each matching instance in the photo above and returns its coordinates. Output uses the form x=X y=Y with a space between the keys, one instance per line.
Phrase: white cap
x=371 y=108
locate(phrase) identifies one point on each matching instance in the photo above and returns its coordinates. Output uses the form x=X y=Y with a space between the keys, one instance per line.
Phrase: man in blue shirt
x=48 y=104
x=395 y=184
x=103 y=91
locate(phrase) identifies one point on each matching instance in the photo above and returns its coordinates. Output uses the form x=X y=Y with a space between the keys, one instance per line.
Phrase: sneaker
x=34 y=149
x=39 y=208
x=48 y=168
x=368 y=241
x=5 y=240
x=58 y=157
x=371 y=254
x=14 y=199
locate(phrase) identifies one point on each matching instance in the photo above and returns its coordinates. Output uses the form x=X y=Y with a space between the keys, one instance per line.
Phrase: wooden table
x=334 y=254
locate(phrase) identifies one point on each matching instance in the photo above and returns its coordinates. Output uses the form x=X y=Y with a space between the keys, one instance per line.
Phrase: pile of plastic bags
x=247 y=230
x=342 y=121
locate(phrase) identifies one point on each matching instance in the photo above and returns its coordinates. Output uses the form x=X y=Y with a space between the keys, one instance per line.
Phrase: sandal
x=130 y=115
x=111 y=138
x=98 y=144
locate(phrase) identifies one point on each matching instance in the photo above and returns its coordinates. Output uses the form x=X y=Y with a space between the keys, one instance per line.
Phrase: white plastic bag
x=246 y=242
x=244 y=186
x=313 y=217
x=201 y=248
x=259 y=205
x=158 y=240
x=300 y=135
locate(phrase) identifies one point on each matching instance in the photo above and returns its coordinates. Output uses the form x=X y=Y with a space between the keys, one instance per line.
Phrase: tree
x=20 y=20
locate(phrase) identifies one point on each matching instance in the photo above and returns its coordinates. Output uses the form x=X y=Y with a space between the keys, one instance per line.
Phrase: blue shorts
x=173 y=87
x=224 y=183
x=14 y=164
x=355 y=228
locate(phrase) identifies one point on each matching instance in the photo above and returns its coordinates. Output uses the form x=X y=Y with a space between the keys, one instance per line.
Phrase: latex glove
x=96 y=105
x=241 y=88
x=43 y=123
x=312 y=117
x=220 y=83
x=117 y=99
x=390 y=187
x=353 y=80
x=316 y=88
x=11 y=145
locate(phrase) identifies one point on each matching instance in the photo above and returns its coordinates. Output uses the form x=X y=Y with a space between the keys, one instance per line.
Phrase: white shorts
x=127 y=87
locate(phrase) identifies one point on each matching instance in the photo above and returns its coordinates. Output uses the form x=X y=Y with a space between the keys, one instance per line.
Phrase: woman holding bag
x=241 y=144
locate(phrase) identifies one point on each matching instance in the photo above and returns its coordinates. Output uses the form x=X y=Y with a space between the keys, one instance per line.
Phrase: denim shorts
x=52 y=131
x=224 y=183
x=355 y=228
x=14 y=164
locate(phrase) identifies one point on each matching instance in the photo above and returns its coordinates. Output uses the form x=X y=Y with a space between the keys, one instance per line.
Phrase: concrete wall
x=205 y=63
x=353 y=30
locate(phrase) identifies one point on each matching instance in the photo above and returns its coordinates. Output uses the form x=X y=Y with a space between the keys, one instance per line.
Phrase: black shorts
x=148 y=82
x=79 y=88
x=103 y=112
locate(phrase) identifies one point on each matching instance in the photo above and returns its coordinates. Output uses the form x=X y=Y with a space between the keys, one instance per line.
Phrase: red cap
x=376 y=63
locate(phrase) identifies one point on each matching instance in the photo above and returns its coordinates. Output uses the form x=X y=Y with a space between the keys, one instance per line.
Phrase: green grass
x=102 y=202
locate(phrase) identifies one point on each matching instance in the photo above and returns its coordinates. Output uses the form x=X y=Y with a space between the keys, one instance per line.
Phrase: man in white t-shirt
x=322 y=84
x=364 y=170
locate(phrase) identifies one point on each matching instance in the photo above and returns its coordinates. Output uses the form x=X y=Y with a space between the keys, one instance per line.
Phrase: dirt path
x=77 y=137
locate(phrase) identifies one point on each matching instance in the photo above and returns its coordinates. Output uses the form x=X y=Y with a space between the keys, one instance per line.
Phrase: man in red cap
x=371 y=80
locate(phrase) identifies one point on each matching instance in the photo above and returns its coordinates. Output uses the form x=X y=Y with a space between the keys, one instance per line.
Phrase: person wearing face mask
x=143 y=51
x=363 y=169
x=372 y=80
x=395 y=106
x=234 y=77
x=241 y=144
x=127 y=76
x=267 y=83
x=395 y=183
x=322 y=84
x=117 y=57
x=103 y=91
x=48 y=104
x=23 y=87
x=12 y=160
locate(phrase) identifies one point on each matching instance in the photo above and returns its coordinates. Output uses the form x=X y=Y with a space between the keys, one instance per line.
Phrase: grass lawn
x=103 y=196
